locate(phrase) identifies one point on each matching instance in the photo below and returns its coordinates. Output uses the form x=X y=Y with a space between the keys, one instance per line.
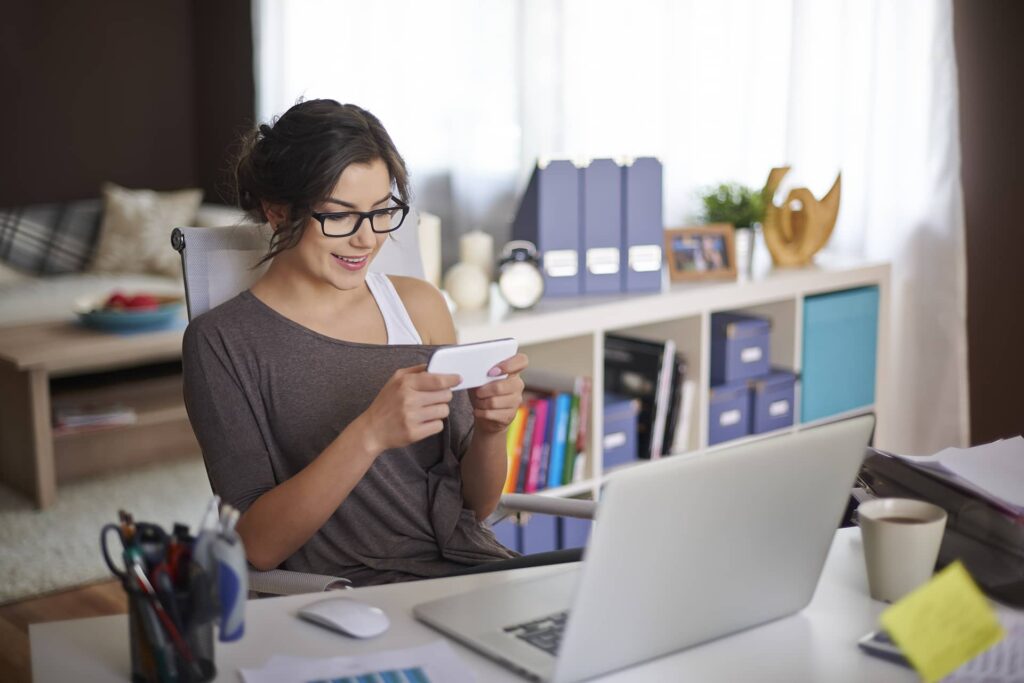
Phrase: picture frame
x=705 y=252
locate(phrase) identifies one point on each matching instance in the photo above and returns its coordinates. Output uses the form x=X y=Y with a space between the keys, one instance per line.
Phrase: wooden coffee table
x=62 y=361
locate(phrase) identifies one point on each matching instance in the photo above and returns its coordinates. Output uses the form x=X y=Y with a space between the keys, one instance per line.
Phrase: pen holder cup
x=157 y=655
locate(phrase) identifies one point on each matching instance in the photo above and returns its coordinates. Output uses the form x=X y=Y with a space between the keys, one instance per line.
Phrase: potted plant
x=743 y=208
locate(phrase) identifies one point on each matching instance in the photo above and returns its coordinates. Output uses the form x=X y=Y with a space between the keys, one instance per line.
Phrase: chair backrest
x=218 y=262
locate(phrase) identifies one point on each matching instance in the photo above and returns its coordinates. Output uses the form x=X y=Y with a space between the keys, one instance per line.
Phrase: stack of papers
x=993 y=472
x=432 y=663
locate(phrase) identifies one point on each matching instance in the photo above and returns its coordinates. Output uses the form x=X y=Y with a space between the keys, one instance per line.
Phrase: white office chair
x=218 y=264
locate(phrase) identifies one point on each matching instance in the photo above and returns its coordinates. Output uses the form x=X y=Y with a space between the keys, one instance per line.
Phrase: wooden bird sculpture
x=793 y=236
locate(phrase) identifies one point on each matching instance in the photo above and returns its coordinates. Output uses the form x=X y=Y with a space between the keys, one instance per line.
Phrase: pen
x=166 y=669
x=161 y=613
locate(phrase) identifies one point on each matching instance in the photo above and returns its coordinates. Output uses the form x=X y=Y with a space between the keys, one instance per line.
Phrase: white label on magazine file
x=561 y=263
x=645 y=258
x=729 y=418
x=777 y=408
x=751 y=354
x=603 y=261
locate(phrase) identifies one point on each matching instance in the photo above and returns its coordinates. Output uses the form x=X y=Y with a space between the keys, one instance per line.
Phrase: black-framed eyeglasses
x=346 y=223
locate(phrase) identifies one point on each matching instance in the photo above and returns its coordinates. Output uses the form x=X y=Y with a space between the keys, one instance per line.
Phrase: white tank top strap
x=396 y=318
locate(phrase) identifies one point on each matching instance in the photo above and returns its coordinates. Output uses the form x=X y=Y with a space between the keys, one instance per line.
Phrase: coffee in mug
x=901 y=544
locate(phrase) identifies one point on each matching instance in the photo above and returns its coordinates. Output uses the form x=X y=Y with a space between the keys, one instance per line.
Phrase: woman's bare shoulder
x=427 y=308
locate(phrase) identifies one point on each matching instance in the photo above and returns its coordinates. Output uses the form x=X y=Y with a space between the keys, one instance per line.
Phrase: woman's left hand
x=495 y=404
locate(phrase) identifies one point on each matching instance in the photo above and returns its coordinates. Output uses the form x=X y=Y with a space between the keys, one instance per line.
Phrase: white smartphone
x=472 y=361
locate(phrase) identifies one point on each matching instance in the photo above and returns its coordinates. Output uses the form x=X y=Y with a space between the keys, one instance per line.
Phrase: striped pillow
x=50 y=239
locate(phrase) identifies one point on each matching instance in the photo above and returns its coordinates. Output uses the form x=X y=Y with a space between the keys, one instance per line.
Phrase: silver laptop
x=686 y=549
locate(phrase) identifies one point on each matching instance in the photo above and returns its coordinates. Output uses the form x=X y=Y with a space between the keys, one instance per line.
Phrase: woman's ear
x=276 y=213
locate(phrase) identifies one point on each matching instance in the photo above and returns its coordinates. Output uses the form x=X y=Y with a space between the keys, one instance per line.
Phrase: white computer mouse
x=348 y=616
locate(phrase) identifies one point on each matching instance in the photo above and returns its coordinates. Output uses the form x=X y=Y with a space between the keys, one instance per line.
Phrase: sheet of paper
x=435 y=662
x=996 y=467
x=943 y=624
x=1002 y=663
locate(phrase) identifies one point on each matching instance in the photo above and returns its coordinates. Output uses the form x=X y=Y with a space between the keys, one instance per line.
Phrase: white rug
x=58 y=548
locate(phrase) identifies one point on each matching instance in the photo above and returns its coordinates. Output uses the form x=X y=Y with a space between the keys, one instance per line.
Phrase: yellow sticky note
x=943 y=624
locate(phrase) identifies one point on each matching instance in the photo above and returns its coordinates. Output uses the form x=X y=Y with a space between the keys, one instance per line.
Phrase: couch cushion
x=135 y=236
x=53 y=298
x=49 y=239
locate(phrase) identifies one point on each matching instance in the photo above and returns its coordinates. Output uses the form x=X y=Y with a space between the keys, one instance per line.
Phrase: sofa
x=52 y=255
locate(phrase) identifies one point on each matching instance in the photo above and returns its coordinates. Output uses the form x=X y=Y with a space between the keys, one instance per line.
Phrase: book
x=526 y=446
x=684 y=424
x=675 y=403
x=514 y=447
x=663 y=400
x=571 y=442
x=559 y=439
x=545 y=451
x=88 y=417
x=642 y=369
x=583 y=390
x=540 y=425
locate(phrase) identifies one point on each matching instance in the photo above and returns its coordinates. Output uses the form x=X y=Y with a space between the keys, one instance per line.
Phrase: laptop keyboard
x=545 y=633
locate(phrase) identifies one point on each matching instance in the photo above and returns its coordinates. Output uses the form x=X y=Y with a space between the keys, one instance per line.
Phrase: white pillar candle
x=477 y=247
x=430 y=247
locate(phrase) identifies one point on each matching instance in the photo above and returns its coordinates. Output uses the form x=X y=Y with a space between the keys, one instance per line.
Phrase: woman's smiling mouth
x=351 y=262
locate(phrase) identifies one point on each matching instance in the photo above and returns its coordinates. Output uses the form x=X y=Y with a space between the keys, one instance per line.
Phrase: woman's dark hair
x=298 y=159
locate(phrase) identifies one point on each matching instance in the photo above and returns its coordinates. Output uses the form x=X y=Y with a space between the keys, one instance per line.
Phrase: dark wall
x=991 y=68
x=146 y=94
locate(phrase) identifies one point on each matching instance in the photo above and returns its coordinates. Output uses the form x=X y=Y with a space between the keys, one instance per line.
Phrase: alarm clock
x=519 y=276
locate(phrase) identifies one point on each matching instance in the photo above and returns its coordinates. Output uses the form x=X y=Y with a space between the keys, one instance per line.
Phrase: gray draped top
x=266 y=396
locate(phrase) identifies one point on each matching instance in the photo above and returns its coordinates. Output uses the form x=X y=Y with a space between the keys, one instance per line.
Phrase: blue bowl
x=126 y=320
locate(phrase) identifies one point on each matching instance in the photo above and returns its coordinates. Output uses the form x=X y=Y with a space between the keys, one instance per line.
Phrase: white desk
x=817 y=644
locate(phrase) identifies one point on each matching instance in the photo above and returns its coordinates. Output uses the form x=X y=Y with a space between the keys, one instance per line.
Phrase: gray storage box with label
x=740 y=347
x=771 y=401
x=728 y=412
x=620 y=416
x=540 y=534
x=575 y=532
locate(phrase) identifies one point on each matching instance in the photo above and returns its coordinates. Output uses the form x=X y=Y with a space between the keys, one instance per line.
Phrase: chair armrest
x=284 y=582
x=546 y=505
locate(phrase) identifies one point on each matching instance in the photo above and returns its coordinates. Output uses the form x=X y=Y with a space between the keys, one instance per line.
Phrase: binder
x=601 y=227
x=642 y=227
x=549 y=217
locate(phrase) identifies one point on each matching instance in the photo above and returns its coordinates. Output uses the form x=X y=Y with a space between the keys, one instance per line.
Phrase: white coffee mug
x=901 y=543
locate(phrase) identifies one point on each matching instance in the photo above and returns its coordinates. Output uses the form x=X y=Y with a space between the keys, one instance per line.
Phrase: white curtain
x=474 y=92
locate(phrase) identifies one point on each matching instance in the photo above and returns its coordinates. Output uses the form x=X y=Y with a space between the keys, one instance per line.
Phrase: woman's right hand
x=410 y=407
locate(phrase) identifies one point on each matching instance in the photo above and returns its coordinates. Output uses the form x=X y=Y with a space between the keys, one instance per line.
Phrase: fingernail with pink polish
x=494 y=372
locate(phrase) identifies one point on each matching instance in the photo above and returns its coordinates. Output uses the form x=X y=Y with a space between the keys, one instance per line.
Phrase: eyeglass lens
x=343 y=224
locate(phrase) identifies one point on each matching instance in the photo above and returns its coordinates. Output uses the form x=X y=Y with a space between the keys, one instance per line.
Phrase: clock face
x=521 y=284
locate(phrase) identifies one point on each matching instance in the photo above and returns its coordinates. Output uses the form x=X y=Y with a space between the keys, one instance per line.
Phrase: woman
x=308 y=393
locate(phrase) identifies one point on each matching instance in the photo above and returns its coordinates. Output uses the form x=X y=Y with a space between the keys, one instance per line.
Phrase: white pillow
x=218 y=216
x=135 y=235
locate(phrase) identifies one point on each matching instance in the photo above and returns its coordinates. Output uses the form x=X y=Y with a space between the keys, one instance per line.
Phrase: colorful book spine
x=513 y=448
x=537 y=446
x=559 y=439
x=570 y=443
x=583 y=433
x=527 y=445
x=545 y=453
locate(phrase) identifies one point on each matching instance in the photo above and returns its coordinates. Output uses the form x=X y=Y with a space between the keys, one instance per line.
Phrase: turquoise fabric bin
x=839 y=352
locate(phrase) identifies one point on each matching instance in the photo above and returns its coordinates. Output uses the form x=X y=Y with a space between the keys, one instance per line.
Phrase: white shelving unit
x=567 y=335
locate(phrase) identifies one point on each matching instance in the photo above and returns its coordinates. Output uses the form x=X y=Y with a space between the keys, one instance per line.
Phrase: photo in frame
x=705 y=252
